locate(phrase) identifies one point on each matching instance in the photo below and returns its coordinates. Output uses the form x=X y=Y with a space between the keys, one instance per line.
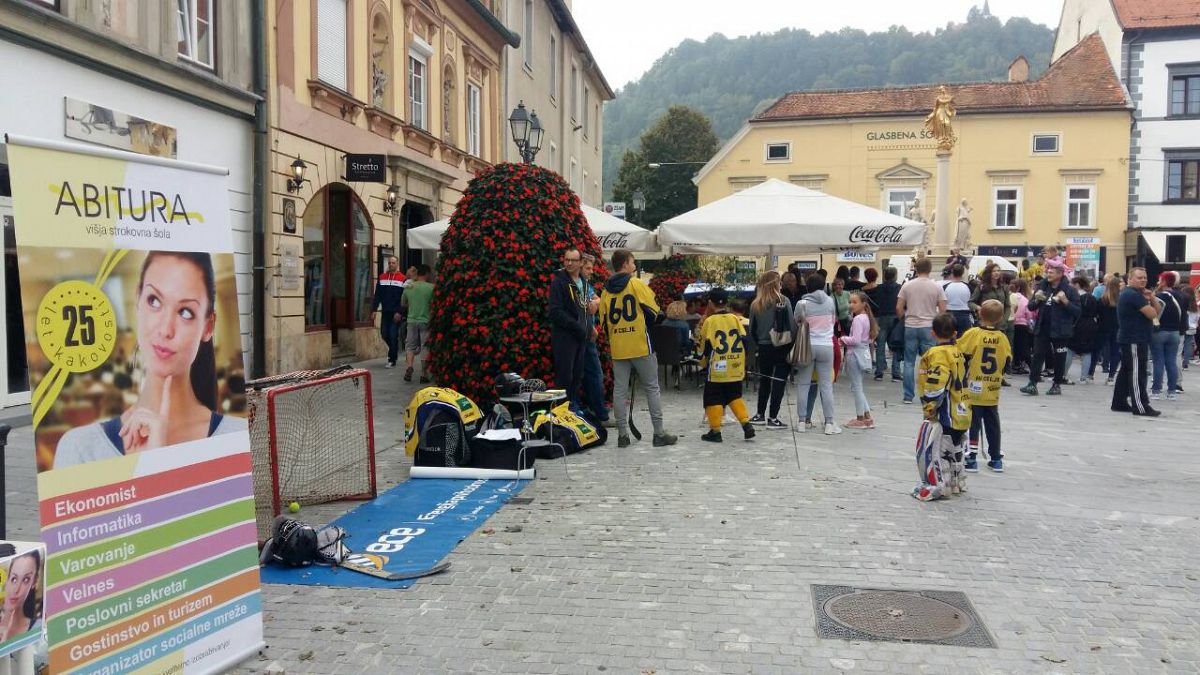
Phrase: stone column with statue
x=940 y=124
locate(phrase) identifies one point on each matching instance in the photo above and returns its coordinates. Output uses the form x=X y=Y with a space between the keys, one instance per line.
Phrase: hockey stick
x=395 y=576
x=632 y=388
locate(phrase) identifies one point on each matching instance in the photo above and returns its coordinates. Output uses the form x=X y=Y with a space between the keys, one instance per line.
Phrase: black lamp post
x=527 y=132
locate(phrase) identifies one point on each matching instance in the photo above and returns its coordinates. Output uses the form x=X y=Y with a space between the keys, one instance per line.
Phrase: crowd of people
x=807 y=330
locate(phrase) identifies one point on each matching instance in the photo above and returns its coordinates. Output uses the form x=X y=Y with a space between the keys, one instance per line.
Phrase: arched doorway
x=413 y=214
x=337 y=264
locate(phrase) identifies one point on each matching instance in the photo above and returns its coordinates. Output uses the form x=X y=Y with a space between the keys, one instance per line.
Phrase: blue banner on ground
x=408 y=528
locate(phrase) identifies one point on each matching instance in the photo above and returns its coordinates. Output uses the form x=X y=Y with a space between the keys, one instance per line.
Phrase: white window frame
x=777 y=160
x=1068 y=202
x=474 y=119
x=587 y=110
x=187 y=27
x=574 y=175
x=553 y=156
x=528 y=36
x=1033 y=139
x=917 y=192
x=574 y=92
x=583 y=188
x=419 y=52
x=1015 y=203
x=553 y=69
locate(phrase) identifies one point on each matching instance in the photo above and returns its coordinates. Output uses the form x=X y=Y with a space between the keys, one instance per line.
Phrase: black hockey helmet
x=508 y=384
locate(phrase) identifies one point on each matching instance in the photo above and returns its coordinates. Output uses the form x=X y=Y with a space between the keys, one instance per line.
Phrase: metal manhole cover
x=932 y=617
x=898 y=616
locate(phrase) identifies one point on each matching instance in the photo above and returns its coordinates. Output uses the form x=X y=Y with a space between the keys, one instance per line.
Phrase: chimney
x=1018 y=70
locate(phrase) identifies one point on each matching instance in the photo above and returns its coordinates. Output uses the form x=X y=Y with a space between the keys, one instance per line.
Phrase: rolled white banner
x=471 y=473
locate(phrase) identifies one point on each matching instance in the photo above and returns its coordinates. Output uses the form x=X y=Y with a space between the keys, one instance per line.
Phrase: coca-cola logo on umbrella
x=615 y=240
x=887 y=234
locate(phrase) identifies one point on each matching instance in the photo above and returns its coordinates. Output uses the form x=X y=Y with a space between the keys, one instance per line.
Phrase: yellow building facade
x=417 y=82
x=1033 y=172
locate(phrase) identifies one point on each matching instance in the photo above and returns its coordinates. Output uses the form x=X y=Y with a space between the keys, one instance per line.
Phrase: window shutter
x=331 y=43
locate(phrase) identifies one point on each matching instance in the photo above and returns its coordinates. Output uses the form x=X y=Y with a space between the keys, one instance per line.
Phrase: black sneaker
x=424 y=379
x=664 y=439
x=713 y=436
x=1150 y=412
x=897 y=378
x=623 y=442
x=758 y=420
x=1054 y=390
x=775 y=424
x=879 y=377
x=1121 y=408
x=748 y=429
x=408 y=374
x=1030 y=389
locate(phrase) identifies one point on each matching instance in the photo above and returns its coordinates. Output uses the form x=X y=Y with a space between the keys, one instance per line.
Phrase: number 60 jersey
x=627 y=310
x=987 y=352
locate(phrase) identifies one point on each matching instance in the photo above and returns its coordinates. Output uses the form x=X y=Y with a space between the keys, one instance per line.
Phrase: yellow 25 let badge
x=76 y=327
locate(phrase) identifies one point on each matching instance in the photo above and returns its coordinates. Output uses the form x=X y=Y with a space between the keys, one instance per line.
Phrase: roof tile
x=1149 y=14
x=1082 y=78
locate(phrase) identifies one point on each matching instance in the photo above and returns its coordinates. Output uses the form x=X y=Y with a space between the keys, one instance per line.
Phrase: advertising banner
x=143 y=455
x=1083 y=255
x=22 y=595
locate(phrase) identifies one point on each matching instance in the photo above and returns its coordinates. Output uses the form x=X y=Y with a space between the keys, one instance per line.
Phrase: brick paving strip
x=1080 y=558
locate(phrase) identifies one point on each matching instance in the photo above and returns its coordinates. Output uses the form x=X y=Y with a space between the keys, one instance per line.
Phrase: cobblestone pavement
x=1080 y=558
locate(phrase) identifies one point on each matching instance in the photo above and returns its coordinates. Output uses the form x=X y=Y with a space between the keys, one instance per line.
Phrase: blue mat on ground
x=410 y=527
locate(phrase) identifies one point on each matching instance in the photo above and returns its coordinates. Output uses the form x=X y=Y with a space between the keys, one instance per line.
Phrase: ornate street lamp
x=639 y=204
x=526 y=132
x=393 y=196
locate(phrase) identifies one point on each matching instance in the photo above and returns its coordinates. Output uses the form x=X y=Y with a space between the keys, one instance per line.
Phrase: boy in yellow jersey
x=627 y=311
x=987 y=352
x=723 y=344
x=940 y=376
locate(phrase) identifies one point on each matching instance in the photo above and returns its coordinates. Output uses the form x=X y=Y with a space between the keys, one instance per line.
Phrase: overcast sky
x=627 y=36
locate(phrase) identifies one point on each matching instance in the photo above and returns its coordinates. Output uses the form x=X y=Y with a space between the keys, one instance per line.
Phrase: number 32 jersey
x=987 y=352
x=722 y=338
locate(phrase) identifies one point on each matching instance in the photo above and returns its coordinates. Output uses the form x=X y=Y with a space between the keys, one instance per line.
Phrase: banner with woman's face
x=129 y=302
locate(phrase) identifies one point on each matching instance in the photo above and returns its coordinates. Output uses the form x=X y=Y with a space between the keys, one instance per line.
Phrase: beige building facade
x=418 y=82
x=554 y=74
x=1038 y=162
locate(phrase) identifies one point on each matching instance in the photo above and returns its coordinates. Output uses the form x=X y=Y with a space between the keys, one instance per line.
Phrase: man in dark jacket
x=569 y=326
x=1057 y=305
x=388 y=291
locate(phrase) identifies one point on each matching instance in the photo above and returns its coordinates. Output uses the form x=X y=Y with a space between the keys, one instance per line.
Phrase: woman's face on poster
x=173 y=316
x=22 y=575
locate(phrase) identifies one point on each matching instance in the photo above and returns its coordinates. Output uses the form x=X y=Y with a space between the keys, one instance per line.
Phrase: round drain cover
x=894 y=615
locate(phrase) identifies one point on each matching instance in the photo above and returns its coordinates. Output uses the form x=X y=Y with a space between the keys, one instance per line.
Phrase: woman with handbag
x=771 y=326
x=816 y=315
x=863 y=333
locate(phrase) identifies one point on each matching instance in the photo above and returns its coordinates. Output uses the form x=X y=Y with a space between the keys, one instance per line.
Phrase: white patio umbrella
x=612 y=232
x=775 y=217
x=977 y=263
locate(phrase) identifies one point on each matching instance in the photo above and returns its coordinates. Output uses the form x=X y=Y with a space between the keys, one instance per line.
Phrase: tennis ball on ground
x=294 y=507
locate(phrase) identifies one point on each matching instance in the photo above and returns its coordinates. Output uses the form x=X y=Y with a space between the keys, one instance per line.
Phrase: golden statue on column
x=939 y=123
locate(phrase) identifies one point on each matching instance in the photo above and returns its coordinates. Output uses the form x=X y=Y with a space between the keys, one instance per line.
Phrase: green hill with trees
x=730 y=80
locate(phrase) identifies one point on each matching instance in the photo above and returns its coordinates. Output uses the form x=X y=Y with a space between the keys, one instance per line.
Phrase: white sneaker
x=802 y=426
x=832 y=429
x=1155 y=396
x=1172 y=397
x=390 y=365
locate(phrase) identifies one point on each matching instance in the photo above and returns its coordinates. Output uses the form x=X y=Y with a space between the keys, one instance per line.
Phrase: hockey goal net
x=312 y=440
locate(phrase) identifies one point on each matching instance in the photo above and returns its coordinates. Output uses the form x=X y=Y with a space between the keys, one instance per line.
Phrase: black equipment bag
x=507 y=454
x=443 y=444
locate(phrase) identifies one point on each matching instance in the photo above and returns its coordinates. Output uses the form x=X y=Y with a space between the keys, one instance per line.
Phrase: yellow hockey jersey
x=986 y=352
x=626 y=315
x=723 y=343
x=940 y=376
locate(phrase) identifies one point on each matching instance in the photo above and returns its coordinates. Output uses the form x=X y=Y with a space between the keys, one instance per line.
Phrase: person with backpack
x=1168 y=334
x=771 y=322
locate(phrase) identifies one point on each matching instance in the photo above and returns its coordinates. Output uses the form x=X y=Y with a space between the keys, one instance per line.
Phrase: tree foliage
x=680 y=136
x=729 y=80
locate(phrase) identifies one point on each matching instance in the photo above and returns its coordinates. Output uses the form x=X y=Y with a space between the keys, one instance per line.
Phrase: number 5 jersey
x=987 y=352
